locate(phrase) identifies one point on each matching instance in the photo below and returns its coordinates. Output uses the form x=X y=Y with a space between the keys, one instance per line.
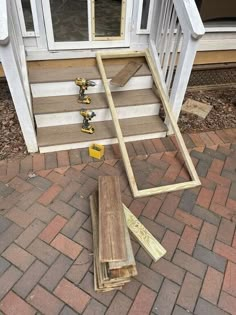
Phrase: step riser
x=86 y=144
x=69 y=88
x=49 y=120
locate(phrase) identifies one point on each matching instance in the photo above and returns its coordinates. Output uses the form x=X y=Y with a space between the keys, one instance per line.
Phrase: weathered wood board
x=112 y=246
x=130 y=261
x=126 y=73
x=197 y=108
x=143 y=236
x=104 y=279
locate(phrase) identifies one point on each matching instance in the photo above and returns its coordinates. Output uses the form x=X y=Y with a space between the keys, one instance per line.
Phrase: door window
x=69 y=20
x=108 y=19
x=82 y=24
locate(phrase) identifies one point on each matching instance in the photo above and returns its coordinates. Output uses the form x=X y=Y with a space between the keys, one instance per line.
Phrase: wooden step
x=69 y=73
x=69 y=88
x=69 y=134
x=68 y=103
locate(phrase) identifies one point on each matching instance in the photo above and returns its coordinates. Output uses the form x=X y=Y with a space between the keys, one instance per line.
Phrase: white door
x=84 y=24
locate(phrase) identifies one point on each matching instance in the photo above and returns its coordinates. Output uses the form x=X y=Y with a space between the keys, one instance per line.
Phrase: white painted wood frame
x=14 y=63
x=90 y=44
x=165 y=101
x=26 y=33
x=139 y=18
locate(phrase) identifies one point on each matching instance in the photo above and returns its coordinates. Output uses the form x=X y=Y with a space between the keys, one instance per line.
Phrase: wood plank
x=103 y=130
x=102 y=283
x=111 y=220
x=43 y=75
x=129 y=264
x=125 y=74
x=97 y=266
x=76 y=62
x=143 y=236
x=69 y=103
x=210 y=57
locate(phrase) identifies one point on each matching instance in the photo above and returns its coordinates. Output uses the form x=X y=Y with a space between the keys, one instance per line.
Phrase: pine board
x=143 y=236
x=111 y=220
x=125 y=74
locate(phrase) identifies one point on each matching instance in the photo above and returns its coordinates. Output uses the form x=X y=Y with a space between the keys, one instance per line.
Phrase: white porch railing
x=12 y=56
x=173 y=45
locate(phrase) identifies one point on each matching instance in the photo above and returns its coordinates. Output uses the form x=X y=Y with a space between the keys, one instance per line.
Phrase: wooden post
x=19 y=97
x=13 y=61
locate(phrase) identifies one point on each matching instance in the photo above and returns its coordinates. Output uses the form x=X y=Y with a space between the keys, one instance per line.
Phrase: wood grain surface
x=126 y=73
x=111 y=220
x=143 y=236
x=105 y=280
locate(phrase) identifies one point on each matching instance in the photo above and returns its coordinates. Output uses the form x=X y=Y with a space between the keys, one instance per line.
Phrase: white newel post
x=10 y=56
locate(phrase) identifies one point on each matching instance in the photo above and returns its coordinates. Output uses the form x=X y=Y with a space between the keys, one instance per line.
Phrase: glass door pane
x=69 y=20
x=108 y=19
x=145 y=13
x=29 y=25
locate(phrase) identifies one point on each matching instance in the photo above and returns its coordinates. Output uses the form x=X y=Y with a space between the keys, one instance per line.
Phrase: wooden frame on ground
x=165 y=101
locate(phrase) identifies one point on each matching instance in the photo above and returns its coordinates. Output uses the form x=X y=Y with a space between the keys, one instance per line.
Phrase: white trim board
x=69 y=88
x=78 y=145
x=149 y=19
x=56 y=119
x=90 y=44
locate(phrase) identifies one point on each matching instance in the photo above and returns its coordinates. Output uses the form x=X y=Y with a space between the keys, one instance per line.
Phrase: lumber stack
x=114 y=263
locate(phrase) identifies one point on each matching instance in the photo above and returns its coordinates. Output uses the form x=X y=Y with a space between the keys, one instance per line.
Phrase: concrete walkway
x=46 y=237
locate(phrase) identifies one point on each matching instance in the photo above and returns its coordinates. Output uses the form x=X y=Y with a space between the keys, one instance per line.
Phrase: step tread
x=49 y=136
x=68 y=103
x=69 y=73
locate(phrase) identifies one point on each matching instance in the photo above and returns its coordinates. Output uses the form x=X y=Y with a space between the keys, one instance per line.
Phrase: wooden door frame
x=165 y=101
x=91 y=43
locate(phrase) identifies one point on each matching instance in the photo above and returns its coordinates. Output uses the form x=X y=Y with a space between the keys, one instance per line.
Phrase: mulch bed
x=11 y=140
x=222 y=115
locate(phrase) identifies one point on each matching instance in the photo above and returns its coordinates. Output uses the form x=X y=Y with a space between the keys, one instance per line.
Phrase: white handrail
x=4 y=35
x=189 y=17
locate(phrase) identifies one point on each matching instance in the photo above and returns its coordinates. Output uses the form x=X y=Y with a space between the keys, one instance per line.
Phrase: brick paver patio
x=46 y=241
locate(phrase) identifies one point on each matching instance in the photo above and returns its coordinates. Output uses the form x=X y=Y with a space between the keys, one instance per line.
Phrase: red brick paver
x=46 y=254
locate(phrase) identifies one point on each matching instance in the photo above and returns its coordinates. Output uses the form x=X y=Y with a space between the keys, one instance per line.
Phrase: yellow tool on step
x=83 y=85
x=87 y=116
